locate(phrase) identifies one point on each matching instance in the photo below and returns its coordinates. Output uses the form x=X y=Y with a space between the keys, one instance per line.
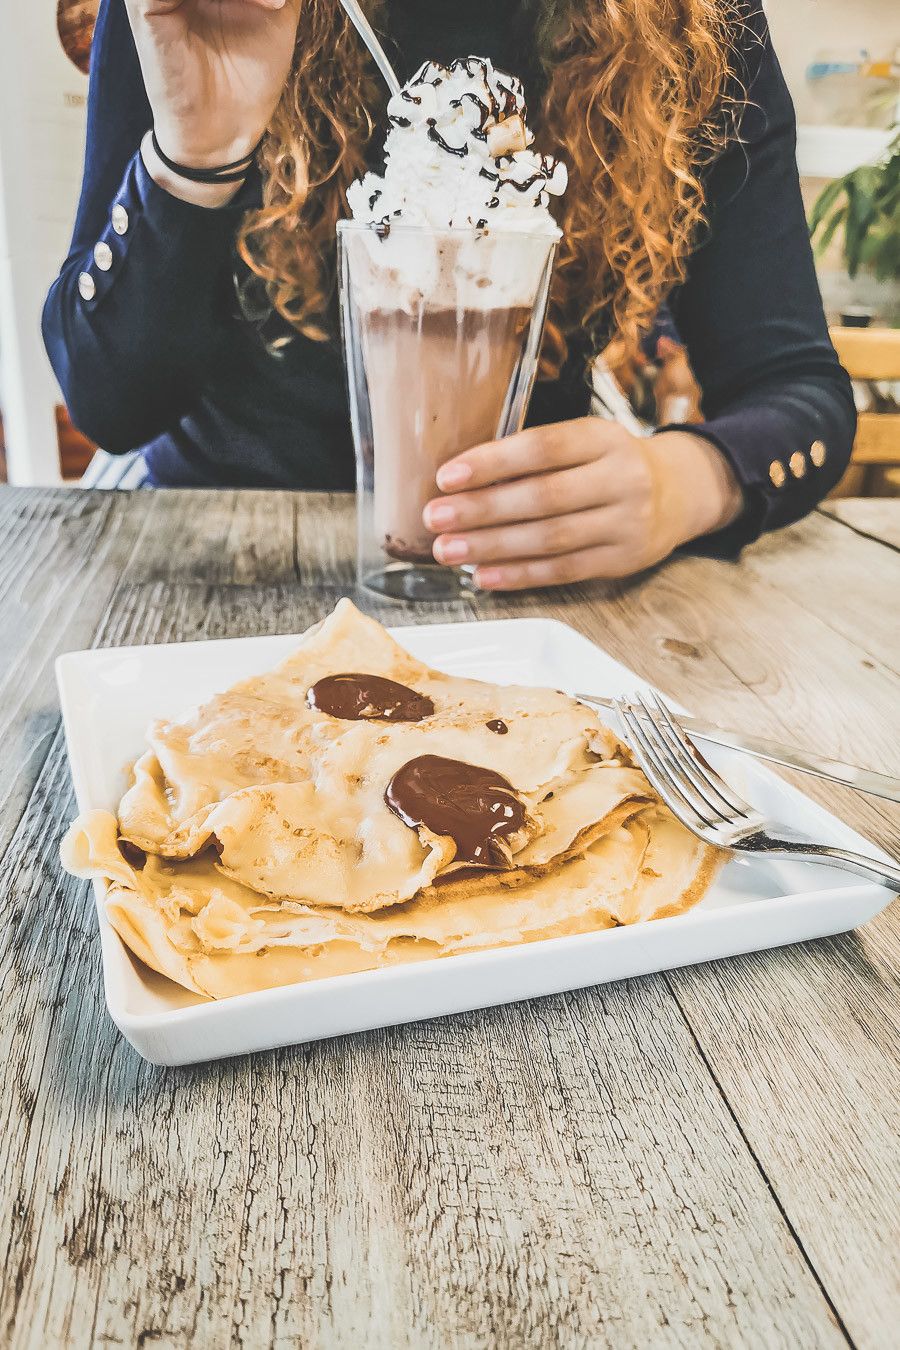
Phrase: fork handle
x=886 y=873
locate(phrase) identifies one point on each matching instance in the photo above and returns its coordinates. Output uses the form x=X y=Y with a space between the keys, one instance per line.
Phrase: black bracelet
x=224 y=173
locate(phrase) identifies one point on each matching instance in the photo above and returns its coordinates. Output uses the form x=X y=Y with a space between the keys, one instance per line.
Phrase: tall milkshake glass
x=441 y=331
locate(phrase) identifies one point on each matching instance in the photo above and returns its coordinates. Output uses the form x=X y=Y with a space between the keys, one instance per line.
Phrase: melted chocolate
x=543 y=175
x=510 y=103
x=362 y=698
x=475 y=807
x=496 y=724
x=396 y=121
x=434 y=135
x=480 y=64
x=420 y=78
x=134 y=856
x=528 y=182
x=478 y=132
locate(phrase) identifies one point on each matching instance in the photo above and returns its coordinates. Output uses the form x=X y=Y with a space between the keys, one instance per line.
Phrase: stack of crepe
x=255 y=845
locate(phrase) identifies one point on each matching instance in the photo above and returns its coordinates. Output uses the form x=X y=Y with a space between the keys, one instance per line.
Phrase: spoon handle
x=364 y=28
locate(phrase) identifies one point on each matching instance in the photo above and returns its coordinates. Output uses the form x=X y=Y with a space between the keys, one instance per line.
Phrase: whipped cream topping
x=459 y=154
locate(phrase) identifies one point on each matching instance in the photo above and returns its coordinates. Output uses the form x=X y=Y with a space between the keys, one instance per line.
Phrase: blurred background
x=842 y=62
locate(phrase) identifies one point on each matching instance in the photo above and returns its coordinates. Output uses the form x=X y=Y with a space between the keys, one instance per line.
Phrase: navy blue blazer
x=145 y=335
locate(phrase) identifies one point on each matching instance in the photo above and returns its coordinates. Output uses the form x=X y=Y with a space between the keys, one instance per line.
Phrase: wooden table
x=702 y=1158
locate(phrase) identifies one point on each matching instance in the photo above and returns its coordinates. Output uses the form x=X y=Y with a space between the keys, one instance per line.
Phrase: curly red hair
x=634 y=106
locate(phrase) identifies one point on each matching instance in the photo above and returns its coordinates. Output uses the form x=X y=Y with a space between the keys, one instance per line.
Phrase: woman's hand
x=576 y=500
x=214 y=71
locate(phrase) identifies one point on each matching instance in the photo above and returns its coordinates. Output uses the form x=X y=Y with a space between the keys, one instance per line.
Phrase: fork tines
x=697 y=795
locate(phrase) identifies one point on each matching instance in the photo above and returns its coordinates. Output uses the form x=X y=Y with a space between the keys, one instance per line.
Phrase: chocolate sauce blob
x=133 y=855
x=475 y=807
x=360 y=698
x=497 y=725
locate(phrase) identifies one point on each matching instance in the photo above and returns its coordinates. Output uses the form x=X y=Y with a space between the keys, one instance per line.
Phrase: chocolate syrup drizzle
x=493 y=110
x=528 y=183
x=434 y=135
x=478 y=132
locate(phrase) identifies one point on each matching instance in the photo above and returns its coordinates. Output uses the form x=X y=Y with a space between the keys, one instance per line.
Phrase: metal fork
x=708 y=806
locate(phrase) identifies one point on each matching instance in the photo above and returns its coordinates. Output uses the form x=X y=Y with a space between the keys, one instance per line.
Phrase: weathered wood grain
x=863 y=606
x=237 y=537
x=877 y=517
x=834 y=1168
x=703 y=1158
x=61 y=555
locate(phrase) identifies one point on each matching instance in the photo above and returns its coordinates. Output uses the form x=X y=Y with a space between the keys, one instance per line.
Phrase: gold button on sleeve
x=103 y=256
x=797 y=464
x=777 y=473
x=87 y=287
x=818 y=453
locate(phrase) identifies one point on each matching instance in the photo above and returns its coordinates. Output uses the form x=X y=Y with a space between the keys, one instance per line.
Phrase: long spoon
x=364 y=28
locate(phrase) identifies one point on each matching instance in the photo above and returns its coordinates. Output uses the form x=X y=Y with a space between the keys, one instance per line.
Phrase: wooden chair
x=871 y=354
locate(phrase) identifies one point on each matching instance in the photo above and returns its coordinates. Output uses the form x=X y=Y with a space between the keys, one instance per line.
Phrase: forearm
x=132 y=329
x=696 y=490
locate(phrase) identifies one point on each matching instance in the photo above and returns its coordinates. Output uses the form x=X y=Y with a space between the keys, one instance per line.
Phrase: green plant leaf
x=823 y=203
x=883 y=254
x=866 y=205
x=860 y=215
x=829 y=230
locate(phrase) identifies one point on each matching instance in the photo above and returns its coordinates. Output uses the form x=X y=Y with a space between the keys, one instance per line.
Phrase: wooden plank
x=564 y=1172
x=835 y=1168
x=205 y=536
x=63 y=553
x=877 y=439
x=868 y=353
x=876 y=517
x=856 y=599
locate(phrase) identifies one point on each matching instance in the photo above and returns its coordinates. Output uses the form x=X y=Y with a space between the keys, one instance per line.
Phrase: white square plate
x=109 y=697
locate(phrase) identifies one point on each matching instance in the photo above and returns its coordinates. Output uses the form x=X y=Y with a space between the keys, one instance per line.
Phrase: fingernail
x=488 y=577
x=452 y=550
x=453 y=475
x=440 y=516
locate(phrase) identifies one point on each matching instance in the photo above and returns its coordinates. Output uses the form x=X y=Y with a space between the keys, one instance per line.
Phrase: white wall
x=802 y=28
x=42 y=98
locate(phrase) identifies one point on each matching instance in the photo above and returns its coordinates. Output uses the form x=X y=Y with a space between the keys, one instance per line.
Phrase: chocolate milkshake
x=438 y=382
x=444 y=278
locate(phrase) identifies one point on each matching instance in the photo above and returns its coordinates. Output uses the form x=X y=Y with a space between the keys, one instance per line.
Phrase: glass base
x=418 y=581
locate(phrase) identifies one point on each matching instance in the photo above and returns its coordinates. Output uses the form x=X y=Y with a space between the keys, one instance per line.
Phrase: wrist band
x=223 y=173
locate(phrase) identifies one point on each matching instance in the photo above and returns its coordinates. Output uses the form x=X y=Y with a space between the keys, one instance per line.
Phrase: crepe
x=259 y=842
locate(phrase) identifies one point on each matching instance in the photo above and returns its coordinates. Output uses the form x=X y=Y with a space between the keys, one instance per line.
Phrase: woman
x=195 y=319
